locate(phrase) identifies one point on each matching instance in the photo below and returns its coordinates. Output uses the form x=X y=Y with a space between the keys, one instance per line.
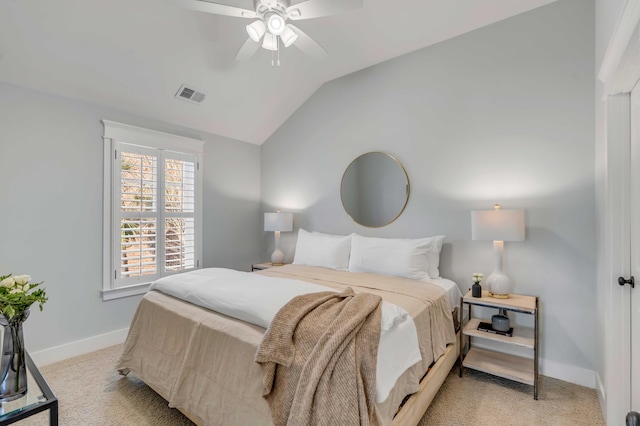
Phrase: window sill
x=120 y=292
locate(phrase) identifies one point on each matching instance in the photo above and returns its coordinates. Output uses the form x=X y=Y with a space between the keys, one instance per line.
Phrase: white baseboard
x=568 y=373
x=79 y=347
x=602 y=396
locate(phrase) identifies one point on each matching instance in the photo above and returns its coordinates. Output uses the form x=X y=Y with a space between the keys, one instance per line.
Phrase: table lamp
x=498 y=225
x=278 y=222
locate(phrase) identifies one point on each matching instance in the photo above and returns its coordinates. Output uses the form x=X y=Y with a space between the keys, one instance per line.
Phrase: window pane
x=179 y=244
x=138 y=182
x=137 y=247
x=180 y=184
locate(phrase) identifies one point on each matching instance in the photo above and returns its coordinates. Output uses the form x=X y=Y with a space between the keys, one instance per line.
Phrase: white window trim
x=113 y=132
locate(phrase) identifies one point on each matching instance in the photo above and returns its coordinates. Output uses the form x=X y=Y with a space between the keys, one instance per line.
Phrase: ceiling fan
x=270 y=25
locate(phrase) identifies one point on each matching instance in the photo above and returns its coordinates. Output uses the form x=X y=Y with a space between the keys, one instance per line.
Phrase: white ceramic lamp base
x=277 y=257
x=499 y=285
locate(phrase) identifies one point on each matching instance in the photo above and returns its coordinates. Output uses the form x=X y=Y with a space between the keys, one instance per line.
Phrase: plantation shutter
x=179 y=205
x=156 y=194
x=138 y=219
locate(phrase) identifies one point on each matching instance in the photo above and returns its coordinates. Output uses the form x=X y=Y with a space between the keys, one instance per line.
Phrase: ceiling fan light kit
x=271 y=23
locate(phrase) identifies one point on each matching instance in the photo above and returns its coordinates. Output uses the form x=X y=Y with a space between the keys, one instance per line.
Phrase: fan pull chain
x=277 y=51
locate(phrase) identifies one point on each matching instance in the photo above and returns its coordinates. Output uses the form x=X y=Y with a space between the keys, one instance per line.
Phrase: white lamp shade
x=288 y=36
x=497 y=225
x=278 y=222
x=256 y=30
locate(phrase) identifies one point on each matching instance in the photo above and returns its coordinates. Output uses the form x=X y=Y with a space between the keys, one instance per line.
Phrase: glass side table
x=39 y=398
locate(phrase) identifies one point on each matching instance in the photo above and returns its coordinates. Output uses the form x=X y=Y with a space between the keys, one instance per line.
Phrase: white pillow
x=417 y=259
x=434 y=247
x=326 y=250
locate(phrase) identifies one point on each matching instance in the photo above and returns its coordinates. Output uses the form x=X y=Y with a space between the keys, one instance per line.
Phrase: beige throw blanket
x=319 y=359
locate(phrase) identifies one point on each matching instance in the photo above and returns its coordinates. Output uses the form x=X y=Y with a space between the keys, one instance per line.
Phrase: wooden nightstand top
x=515 y=301
x=262 y=266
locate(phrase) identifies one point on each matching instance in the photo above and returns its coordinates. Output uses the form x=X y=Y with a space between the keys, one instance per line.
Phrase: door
x=634 y=219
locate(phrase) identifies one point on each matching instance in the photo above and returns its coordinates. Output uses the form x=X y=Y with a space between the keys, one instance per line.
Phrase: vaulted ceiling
x=133 y=55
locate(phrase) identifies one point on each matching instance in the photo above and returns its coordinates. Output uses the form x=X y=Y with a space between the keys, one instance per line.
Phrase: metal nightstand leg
x=461 y=322
x=535 y=354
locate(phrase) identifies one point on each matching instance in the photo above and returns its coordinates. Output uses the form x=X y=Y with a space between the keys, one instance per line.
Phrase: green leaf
x=9 y=311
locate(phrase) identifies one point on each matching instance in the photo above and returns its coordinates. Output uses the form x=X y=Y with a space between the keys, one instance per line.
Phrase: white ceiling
x=133 y=55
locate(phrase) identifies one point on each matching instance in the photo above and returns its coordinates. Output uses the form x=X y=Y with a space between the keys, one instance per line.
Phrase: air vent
x=190 y=94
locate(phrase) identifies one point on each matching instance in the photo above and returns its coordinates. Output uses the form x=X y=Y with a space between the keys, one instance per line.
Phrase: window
x=152 y=207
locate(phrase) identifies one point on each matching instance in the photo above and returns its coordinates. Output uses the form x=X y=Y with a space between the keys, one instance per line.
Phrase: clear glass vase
x=13 y=368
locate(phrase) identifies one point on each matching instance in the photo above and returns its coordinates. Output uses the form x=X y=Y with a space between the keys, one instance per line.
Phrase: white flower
x=22 y=279
x=21 y=295
x=8 y=282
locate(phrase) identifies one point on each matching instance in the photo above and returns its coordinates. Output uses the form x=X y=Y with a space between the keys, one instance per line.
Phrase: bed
x=202 y=362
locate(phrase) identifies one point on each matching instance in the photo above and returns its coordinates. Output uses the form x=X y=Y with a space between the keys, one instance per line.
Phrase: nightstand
x=38 y=398
x=512 y=367
x=262 y=266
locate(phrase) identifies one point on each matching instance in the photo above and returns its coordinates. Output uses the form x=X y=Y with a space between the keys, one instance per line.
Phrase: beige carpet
x=91 y=392
x=481 y=399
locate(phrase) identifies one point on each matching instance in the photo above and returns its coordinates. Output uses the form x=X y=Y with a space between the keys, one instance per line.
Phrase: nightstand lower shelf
x=512 y=367
x=522 y=336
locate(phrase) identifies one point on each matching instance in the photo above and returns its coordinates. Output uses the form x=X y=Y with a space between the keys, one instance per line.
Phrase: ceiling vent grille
x=190 y=94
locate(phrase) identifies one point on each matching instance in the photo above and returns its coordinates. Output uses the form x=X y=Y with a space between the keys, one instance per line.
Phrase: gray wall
x=503 y=114
x=51 y=209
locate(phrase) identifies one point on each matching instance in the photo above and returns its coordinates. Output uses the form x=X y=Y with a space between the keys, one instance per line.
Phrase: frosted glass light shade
x=275 y=23
x=497 y=225
x=270 y=42
x=288 y=36
x=256 y=30
x=278 y=222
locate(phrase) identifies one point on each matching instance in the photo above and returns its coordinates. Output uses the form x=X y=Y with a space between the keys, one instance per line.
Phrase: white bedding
x=256 y=299
x=452 y=289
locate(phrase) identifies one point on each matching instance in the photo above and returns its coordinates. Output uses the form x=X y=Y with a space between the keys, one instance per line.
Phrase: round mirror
x=374 y=189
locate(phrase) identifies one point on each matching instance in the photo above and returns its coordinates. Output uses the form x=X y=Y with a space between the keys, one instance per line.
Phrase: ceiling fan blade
x=218 y=9
x=247 y=50
x=318 y=8
x=308 y=45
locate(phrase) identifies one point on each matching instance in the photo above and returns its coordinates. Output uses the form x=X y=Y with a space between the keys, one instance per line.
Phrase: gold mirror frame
x=350 y=186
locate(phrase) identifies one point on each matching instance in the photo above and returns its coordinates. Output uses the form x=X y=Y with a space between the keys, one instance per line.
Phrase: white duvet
x=256 y=299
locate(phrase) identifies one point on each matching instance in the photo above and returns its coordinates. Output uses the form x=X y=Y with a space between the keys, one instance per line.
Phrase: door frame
x=616 y=341
x=634 y=242
x=619 y=72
